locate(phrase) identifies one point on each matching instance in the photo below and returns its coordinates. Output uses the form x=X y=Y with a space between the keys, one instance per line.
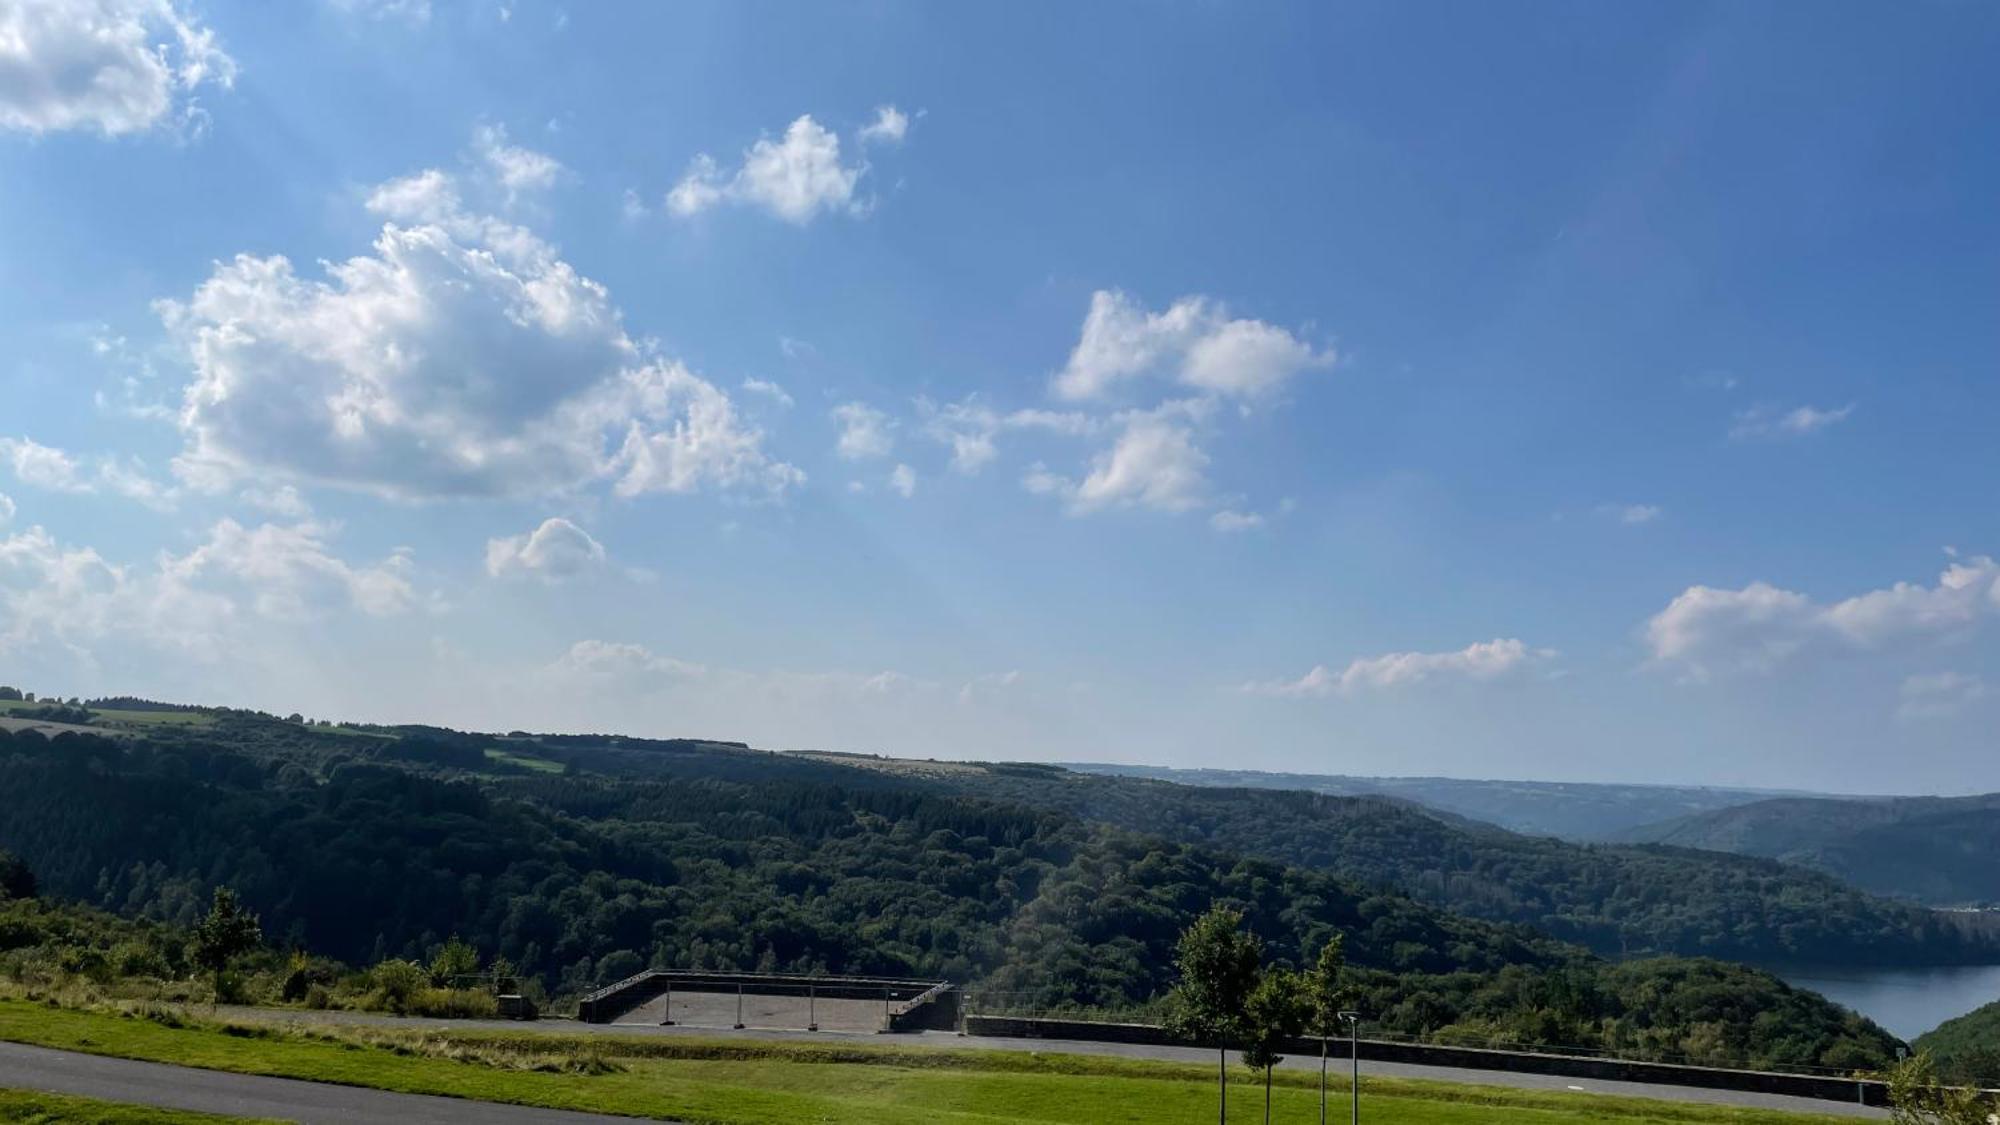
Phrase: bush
x=454 y=1004
x=318 y=998
x=396 y=984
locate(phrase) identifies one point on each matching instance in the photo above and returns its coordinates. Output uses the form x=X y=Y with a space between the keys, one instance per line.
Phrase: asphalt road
x=249 y=1095
x=948 y=1041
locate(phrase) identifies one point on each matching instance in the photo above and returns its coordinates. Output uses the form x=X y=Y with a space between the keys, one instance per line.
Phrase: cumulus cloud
x=194 y=603
x=972 y=429
x=1938 y=695
x=1485 y=660
x=612 y=660
x=1153 y=463
x=1230 y=520
x=518 y=171
x=555 y=551
x=769 y=390
x=795 y=178
x=461 y=357
x=890 y=126
x=864 y=432
x=6 y=509
x=113 y=67
x=1194 y=342
x=1770 y=421
x=45 y=466
x=1706 y=630
x=903 y=481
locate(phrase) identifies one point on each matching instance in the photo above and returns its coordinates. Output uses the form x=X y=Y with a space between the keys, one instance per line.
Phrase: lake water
x=1908 y=1002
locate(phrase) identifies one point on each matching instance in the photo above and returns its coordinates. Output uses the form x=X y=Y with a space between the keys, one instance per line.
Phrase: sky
x=1566 y=391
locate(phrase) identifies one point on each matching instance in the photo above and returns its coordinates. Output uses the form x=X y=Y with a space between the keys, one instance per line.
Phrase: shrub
x=454 y=1003
x=318 y=998
x=396 y=984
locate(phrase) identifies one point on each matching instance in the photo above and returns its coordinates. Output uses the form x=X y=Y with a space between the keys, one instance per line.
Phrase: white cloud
x=45 y=466
x=903 y=480
x=633 y=208
x=1154 y=463
x=110 y=66
x=284 y=500
x=1938 y=695
x=1229 y=520
x=1485 y=660
x=1194 y=342
x=42 y=466
x=769 y=390
x=864 y=431
x=6 y=509
x=1771 y=421
x=890 y=126
x=518 y=171
x=795 y=178
x=1755 y=628
x=197 y=603
x=609 y=660
x=971 y=428
x=289 y=573
x=555 y=551
x=462 y=357
x=1629 y=514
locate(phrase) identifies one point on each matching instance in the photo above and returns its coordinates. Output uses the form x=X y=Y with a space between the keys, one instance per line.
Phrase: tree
x=16 y=881
x=1324 y=997
x=228 y=932
x=454 y=959
x=1918 y=1097
x=1273 y=1013
x=1218 y=966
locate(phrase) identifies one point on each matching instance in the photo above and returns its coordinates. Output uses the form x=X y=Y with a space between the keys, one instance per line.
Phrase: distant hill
x=1967 y=1047
x=1570 y=810
x=1943 y=851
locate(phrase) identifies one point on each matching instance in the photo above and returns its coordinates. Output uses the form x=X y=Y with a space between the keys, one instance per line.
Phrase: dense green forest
x=1937 y=850
x=365 y=845
x=1617 y=900
x=1572 y=810
x=1967 y=1047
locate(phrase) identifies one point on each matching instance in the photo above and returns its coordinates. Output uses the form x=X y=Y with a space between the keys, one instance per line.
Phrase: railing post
x=739 y=1005
x=885 y=1007
x=667 y=1016
x=812 y=1006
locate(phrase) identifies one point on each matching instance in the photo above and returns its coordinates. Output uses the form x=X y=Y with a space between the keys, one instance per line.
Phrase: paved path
x=948 y=1041
x=249 y=1095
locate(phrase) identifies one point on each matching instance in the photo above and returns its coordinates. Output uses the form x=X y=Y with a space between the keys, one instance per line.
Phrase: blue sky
x=1570 y=391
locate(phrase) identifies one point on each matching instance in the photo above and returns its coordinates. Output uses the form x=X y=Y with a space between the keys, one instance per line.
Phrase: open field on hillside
x=118 y=716
x=735 y=1083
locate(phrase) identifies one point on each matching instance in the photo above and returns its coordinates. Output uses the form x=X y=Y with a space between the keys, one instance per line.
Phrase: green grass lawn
x=27 y=1107
x=737 y=1083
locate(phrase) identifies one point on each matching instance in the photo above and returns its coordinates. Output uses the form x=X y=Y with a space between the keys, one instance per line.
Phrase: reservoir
x=1908 y=1002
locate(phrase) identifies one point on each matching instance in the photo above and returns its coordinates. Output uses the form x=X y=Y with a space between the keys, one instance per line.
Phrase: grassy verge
x=730 y=1082
x=27 y=1107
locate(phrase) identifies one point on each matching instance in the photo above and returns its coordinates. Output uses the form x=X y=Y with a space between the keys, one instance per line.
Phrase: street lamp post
x=1353 y=1021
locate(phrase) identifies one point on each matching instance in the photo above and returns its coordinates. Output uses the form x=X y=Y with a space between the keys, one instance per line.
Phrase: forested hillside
x=1618 y=900
x=1943 y=851
x=363 y=847
x=1572 y=810
x=1967 y=1047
